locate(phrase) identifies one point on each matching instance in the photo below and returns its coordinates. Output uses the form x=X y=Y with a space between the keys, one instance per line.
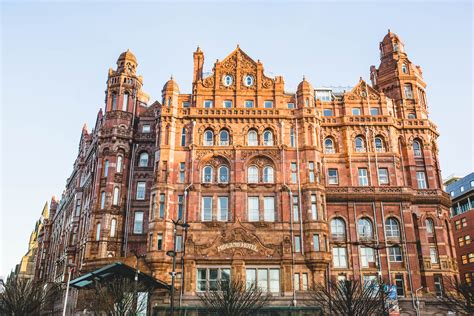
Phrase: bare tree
x=26 y=297
x=458 y=297
x=235 y=299
x=349 y=298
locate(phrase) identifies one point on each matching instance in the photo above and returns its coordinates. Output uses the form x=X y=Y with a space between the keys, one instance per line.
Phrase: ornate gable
x=360 y=91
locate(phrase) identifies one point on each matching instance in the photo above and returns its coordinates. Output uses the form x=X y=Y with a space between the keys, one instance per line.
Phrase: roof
x=114 y=269
x=466 y=184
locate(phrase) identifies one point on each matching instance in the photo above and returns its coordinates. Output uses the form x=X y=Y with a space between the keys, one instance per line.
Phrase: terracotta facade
x=294 y=188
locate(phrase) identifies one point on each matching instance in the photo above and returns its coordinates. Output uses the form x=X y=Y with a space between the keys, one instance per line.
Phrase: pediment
x=360 y=92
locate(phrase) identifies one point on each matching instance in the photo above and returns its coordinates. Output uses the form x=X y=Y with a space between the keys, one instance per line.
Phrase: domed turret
x=305 y=93
x=127 y=62
x=170 y=86
x=305 y=86
x=128 y=55
x=391 y=43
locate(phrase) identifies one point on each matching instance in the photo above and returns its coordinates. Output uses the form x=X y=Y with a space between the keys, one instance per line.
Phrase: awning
x=116 y=269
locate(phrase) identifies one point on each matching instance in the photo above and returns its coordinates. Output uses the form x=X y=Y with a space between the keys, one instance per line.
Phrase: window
x=339 y=257
x=408 y=91
x=329 y=146
x=206 y=209
x=162 y=206
x=467 y=239
x=252 y=138
x=208 y=279
x=249 y=104
x=248 y=80
x=115 y=200
x=290 y=105
x=208 y=104
x=265 y=279
x=438 y=283
x=223 y=174
x=185 y=104
x=395 y=254
x=392 y=229
x=359 y=144
x=374 y=111
x=429 y=226
x=227 y=80
x=472 y=183
x=106 y=168
x=208 y=138
x=146 y=128
x=183 y=136
x=383 y=176
x=138 y=223
x=223 y=208
x=119 y=164
x=323 y=95
x=316 y=242
x=356 y=111
x=292 y=137
x=399 y=283
x=179 y=243
x=180 y=206
x=462 y=189
x=78 y=207
x=182 y=173
x=305 y=281
x=433 y=255
x=332 y=176
x=207 y=174
x=268 y=174
x=224 y=138
x=143 y=161
x=461 y=241
x=296 y=281
x=421 y=180
x=464 y=222
x=294 y=175
x=328 y=112
x=159 y=245
x=269 y=209
x=314 y=208
x=297 y=244
x=227 y=104
x=379 y=146
x=366 y=256
x=471 y=257
x=363 y=179
x=311 y=171
x=113 y=227
x=97 y=232
x=468 y=278
x=141 y=186
x=267 y=138
x=365 y=228
x=404 y=68
x=114 y=102
x=253 y=210
x=252 y=174
x=296 y=213
x=268 y=104
x=411 y=116
x=416 y=148
x=102 y=200
x=464 y=259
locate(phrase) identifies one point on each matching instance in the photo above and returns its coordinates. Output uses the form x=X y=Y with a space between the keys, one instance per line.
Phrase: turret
x=170 y=93
x=305 y=94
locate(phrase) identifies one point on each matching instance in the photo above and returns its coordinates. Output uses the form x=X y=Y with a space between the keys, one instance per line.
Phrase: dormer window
x=227 y=80
x=248 y=80
x=323 y=95
x=411 y=116
x=404 y=68
x=146 y=128
x=395 y=47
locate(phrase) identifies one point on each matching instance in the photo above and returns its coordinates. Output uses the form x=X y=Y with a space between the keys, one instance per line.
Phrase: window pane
x=207 y=208
x=253 y=209
x=269 y=209
x=262 y=279
x=327 y=112
x=250 y=277
x=275 y=280
x=223 y=205
x=138 y=223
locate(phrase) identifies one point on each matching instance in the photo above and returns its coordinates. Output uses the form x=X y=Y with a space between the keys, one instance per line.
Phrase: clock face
x=227 y=80
x=248 y=80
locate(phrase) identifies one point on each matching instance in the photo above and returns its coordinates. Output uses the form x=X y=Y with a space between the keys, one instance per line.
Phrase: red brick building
x=285 y=189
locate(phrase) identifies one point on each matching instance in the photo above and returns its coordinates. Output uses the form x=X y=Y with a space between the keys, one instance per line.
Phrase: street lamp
x=172 y=254
x=137 y=272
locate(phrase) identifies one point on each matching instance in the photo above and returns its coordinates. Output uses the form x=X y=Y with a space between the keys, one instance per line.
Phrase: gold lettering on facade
x=236 y=245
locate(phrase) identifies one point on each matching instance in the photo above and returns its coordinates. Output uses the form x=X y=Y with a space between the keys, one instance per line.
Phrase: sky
x=55 y=57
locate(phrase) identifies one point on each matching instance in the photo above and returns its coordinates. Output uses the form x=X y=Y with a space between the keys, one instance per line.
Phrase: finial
x=128 y=50
x=171 y=77
x=304 y=78
x=238 y=46
x=198 y=49
x=388 y=31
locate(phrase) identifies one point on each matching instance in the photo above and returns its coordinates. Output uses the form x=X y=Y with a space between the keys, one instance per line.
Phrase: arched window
x=97 y=232
x=208 y=138
x=114 y=101
x=207 y=174
x=359 y=144
x=143 y=161
x=102 y=200
x=252 y=138
x=338 y=228
x=115 y=199
x=379 y=144
x=408 y=91
x=329 y=146
x=411 y=116
x=183 y=136
x=392 y=229
x=119 y=164
x=365 y=228
x=268 y=174
x=416 y=148
x=106 y=168
x=224 y=138
x=126 y=96
x=268 y=138
x=429 y=226
x=252 y=174
x=404 y=68
x=223 y=174
x=113 y=227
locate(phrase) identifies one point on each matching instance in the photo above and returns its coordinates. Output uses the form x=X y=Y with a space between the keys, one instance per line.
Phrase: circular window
x=248 y=80
x=227 y=80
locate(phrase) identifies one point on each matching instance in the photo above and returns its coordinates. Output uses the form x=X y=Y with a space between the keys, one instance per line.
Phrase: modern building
x=462 y=221
x=282 y=189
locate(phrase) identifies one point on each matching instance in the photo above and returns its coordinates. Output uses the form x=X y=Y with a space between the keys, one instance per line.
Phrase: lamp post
x=137 y=272
x=172 y=254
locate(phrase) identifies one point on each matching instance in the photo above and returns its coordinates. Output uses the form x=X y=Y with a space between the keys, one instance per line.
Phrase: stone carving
x=208 y=82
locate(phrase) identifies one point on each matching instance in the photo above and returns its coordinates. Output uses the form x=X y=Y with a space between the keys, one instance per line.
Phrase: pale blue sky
x=55 y=58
